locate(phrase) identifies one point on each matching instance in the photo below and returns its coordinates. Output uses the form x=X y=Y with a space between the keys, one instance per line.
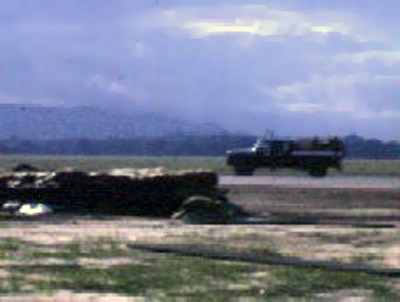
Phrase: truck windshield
x=262 y=145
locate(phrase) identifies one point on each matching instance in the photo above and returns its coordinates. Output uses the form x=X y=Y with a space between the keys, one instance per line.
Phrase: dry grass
x=106 y=266
x=350 y=167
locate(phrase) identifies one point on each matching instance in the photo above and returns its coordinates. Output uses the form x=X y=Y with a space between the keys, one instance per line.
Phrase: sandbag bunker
x=190 y=195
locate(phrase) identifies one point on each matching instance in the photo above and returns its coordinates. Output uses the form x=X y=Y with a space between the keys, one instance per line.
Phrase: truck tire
x=318 y=171
x=244 y=170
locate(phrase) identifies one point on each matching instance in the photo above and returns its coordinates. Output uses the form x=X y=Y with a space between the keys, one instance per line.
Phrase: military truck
x=314 y=155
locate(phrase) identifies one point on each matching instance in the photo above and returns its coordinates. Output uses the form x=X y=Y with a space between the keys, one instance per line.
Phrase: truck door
x=263 y=152
x=276 y=154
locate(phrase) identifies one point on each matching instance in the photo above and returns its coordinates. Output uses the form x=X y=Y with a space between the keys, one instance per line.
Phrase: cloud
x=267 y=27
x=262 y=20
x=117 y=87
x=303 y=107
x=361 y=95
x=386 y=57
x=139 y=50
x=204 y=28
x=389 y=114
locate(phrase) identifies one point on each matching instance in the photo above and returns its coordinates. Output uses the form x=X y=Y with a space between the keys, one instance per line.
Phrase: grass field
x=350 y=167
x=106 y=265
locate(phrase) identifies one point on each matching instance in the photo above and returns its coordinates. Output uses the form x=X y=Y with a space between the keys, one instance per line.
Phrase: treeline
x=358 y=147
x=213 y=145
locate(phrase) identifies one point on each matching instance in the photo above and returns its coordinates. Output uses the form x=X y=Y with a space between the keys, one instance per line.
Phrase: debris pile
x=205 y=210
x=151 y=192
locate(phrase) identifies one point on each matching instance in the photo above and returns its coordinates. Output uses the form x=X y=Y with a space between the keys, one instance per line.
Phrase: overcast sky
x=299 y=67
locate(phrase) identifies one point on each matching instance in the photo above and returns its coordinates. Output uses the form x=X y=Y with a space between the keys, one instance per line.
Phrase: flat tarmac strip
x=329 y=182
x=331 y=200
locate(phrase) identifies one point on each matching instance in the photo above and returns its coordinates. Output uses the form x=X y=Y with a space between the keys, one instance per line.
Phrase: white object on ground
x=11 y=206
x=33 y=209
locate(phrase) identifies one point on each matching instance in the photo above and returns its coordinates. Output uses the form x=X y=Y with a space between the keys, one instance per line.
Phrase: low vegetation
x=107 y=265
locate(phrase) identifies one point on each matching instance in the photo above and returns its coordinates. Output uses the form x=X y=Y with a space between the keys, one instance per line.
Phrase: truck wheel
x=244 y=170
x=317 y=171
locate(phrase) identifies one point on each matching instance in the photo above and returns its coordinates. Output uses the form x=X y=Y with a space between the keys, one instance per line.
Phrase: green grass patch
x=11 y=245
x=96 y=248
x=300 y=282
x=172 y=275
x=169 y=276
x=12 y=248
x=194 y=277
x=372 y=167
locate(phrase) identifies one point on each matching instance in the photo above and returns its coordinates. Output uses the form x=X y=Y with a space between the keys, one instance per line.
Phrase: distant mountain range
x=37 y=122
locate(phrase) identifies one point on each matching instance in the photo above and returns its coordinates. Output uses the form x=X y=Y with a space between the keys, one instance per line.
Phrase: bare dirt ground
x=334 y=236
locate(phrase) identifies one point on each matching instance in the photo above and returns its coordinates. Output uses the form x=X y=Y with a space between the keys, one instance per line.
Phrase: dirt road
x=349 y=182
